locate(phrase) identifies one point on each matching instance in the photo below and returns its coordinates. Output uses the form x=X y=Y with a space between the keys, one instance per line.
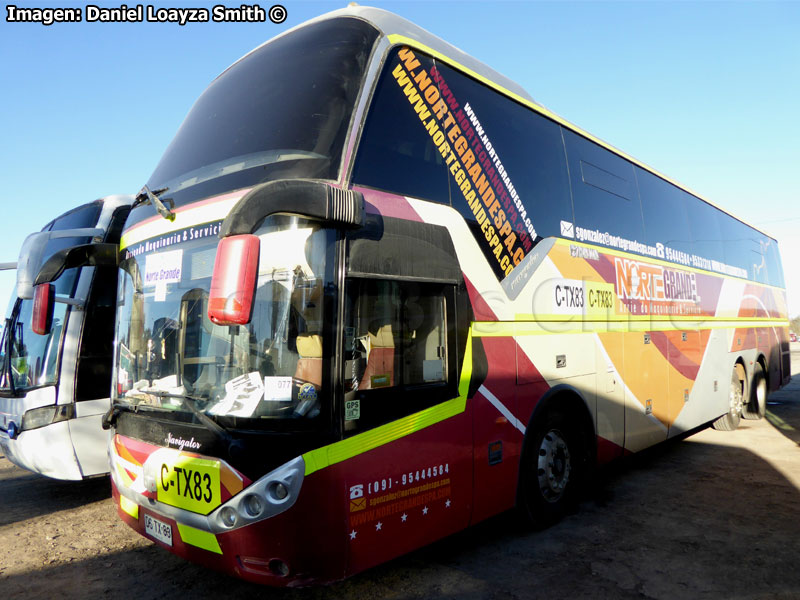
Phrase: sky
x=704 y=92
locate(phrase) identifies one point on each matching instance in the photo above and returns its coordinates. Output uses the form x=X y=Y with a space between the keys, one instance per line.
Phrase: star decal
x=425 y=511
x=378 y=526
x=353 y=534
x=404 y=517
x=447 y=504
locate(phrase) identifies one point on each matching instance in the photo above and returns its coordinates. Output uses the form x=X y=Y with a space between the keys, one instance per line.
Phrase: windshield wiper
x=147 y=194
x=189 y=402
x=7 y=344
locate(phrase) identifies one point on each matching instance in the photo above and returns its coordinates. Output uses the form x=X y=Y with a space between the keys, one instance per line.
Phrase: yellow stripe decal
x=374 y=438
x=198 y=537
x=397 y=39
x=129 y=507
x=525 y=328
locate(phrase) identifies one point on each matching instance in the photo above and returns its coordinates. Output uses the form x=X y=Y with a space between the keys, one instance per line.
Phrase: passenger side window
x=396 y=153
x=666 y=224
x=604 y=195
x=398 y=341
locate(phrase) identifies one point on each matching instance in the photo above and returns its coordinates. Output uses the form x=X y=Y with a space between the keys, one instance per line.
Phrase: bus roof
x=399 y=30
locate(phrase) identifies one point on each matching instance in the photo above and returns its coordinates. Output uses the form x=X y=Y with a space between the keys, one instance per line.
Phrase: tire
x=553 y=469
x=756 y=406
x=730 y=420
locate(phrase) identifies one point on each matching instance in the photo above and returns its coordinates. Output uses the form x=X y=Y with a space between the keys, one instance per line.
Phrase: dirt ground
x=714 y=516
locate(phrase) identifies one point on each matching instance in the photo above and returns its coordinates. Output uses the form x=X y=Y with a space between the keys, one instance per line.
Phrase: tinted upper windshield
x=288 y=102
x=270 y=368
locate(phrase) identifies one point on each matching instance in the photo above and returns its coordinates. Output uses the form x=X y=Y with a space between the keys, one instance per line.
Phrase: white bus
x=54 y=386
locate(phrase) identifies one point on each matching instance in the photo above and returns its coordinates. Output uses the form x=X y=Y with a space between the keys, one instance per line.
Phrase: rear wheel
x=730 y=420
x=553 y=467
x=756 y=406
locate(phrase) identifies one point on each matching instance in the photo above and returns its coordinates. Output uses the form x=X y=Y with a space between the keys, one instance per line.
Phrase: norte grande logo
x=181 y=443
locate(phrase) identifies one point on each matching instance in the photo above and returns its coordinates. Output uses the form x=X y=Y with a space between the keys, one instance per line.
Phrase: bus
x=55 y=373
x=373 y=293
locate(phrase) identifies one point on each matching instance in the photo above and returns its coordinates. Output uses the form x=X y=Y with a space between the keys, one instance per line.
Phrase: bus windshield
x=170 y=355
x=281 y=111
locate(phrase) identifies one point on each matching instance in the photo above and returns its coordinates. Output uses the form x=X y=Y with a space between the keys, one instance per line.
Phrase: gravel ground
x=714 y=516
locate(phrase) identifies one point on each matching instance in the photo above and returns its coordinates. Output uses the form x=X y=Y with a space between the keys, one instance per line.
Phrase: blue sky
x=705 y=92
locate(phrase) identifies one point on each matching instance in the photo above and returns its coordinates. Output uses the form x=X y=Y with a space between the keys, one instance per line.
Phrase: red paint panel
x=496 y=484
x=388 y=205
x=405 y=494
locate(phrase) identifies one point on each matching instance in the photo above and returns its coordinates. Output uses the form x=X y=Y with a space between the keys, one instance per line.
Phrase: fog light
x=278 y=567
x=227 y=516
x=278 y=491
x=253 y=505
x=12 y=430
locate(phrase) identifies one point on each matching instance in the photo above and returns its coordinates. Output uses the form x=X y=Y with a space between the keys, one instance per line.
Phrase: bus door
x=410 y=481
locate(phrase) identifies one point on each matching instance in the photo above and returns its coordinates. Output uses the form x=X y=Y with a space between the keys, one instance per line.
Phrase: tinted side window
x=520 y=154
x=704 y=221
x=436 y=134
x=741 y=246
x=772 y=257
x=666 y=224
x=396 y=152
x=399 y=349
x=604 y=192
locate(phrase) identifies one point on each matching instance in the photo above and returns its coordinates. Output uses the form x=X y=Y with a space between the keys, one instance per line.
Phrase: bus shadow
x=25 y=495
x=783 y=410
x=689 y=519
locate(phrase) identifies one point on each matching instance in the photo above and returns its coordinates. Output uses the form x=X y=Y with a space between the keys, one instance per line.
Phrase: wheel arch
x=567 y=398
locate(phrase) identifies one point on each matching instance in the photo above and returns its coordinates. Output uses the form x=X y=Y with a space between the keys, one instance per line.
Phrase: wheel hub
x=554 y=466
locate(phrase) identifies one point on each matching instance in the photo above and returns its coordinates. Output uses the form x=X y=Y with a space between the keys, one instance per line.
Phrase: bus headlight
x=253 y=505
x=272 y=494
x=278 y=491
x=227 y=516
x=46 y=415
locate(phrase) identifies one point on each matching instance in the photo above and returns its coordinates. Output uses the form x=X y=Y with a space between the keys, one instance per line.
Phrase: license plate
x=189 y=483
x=158 y=529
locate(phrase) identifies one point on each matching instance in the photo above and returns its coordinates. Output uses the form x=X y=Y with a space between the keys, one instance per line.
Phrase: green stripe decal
x=129 y=507
x=197 y=537
x=358 y=444
x=578 y=326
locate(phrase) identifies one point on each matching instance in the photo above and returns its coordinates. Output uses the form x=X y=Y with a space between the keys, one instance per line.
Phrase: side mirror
x=233 y=284
x=30 y=260
x=44 y=296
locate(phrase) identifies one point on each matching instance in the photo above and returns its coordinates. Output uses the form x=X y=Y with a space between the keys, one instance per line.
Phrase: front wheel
x=552 y=468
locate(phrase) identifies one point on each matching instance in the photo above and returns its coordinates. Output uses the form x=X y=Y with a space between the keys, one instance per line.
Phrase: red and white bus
x=55 y=366
x=373 y=294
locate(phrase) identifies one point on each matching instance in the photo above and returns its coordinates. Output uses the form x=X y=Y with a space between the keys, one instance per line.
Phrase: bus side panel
x=685 y=350
x=88 y=436
x=610 y=423
x=497 y=435
x=407 y=493
x=645 y=377
x=708 y=397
